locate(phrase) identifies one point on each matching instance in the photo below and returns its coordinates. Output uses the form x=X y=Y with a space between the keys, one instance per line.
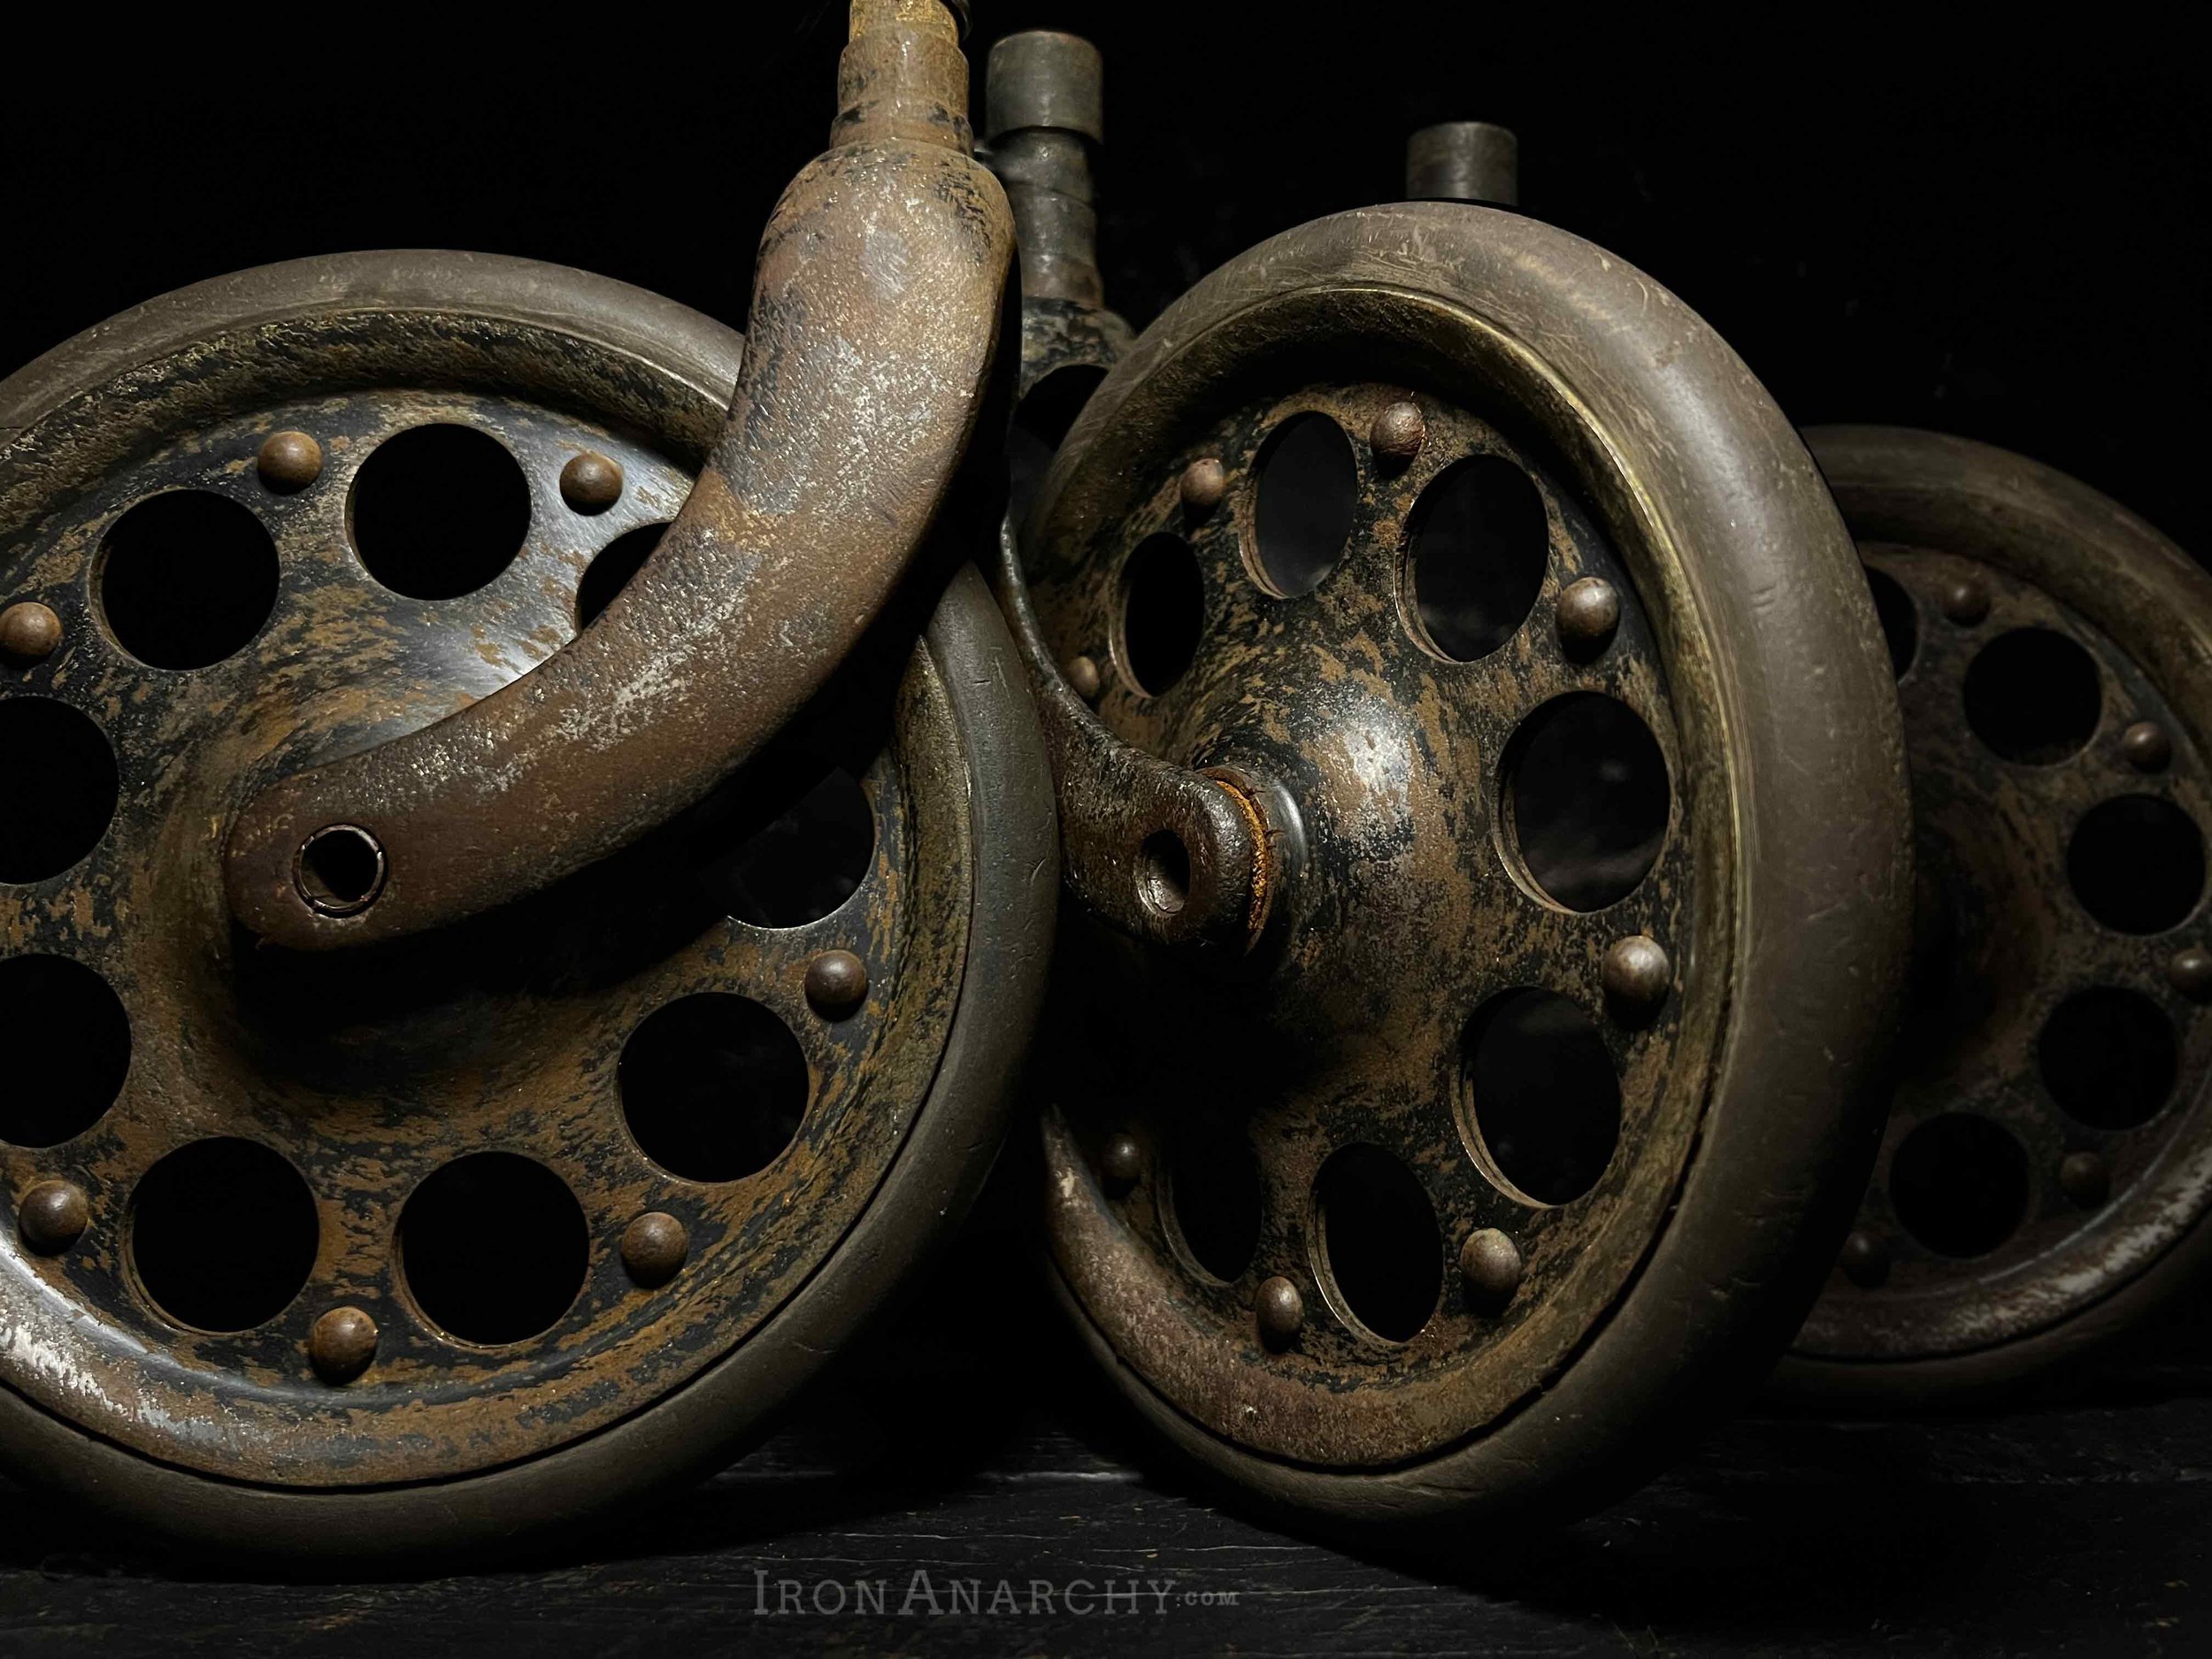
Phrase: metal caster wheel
x=2047 y=1166
x=450 y=1233
x=1481 y=796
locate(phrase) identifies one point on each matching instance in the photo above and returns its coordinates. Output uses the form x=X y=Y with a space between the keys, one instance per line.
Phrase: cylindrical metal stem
x=1042 y=111
x=1464 y=161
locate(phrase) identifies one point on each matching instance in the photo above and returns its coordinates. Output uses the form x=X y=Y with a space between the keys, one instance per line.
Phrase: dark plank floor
x=972 y=1448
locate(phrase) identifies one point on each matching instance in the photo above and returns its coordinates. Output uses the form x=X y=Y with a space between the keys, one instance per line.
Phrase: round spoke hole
x=63 y=788
x=1959 y=1183
x=2034 y=697
x=2108 y=1058
x=1587 y=799
x=2137 y=864
x=1541 y=1101
x=493 y=1247
x=187 y=579
x=68 y=1043
x=610 y=573
x=438 y=511
x=1163 y=612
x=1213 y=1200
x=1308 y=487
x=223 y=1234
x=1378 y=1235
x=787 y=841
x=1040 y=422
x=1478 y=554
x=714 y=1086
x=1900 y=623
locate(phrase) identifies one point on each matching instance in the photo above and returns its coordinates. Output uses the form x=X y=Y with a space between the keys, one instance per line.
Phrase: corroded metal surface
x=2079 y=1208
x=370 y=1071
x=874 y=319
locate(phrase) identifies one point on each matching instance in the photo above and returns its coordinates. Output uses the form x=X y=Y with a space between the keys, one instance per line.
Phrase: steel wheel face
x=1339 y=1208
x=2046 y=1167
x=372 y=1223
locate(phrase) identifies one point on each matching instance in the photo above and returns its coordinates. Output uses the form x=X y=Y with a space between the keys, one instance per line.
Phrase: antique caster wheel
x=2047 y=1166
x=1478 y=773
x=460 y=1237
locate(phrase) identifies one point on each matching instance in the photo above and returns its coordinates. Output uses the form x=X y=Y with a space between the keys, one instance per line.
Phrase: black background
x=2002 y=234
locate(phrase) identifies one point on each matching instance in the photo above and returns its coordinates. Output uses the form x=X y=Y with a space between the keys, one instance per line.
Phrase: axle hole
x=1900 y=623
x=1479 y=551
x=63 y=787
x=2137 y=864
x=1540 y=1104
x=187 y=579
x=438 y=511
x=787 y=842
x=1959 y=1183
x=2034 y=697
x=1308 y=487
x=2108 y=1058
x=610 y=573
x=1587 y=799
x=68 y=1043
x=1164 y=612
x=1214 y=1199
x=1163 y=872
x=341 y=870
x=1379 y=1238
x=223 y=1234
x=493 y=1247
x=714 y=1086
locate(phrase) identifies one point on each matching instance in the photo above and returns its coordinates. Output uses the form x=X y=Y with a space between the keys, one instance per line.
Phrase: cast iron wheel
x=2047 y=1167
x=463 y=1238
x=1516 y=1143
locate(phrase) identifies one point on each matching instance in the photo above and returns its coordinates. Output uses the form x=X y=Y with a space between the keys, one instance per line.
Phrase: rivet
x=342 y=1344
x=2146 y=747
x=1084 y=678
x=2083 y=1178
x=2190 y=972
x=1865 y=1260
x=1491 y=1264
x=29 y=631
x=1398 y=433
x=1966 y=602
x=591 y=482
x=1637 y=975
x=653 y=1247
x=1120 y=1162
x=1204 y=484
x=1589 y=610
x=53 y=1216
x=289 y=461
x=1280 y=1311
x=836 y=982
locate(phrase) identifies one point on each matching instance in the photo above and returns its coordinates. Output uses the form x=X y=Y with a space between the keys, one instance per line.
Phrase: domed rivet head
x=2083 y=1178
x=1589 y=612
x=1280 y=1311
x=288 y=461
x=29 y=631
x=1398 y=433
x=836 y=983
x=1491 y=1264
x=342 y=1344
x=2190 y=972
x=53 y=1216
x=1865 y=1260
x=2146 y=747
x=591 y=482
x=1084 y=678
x=1637 y=975
x=1120 y=1162
x=1204 y=485
x=1966 y=602
x=653 y=1247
